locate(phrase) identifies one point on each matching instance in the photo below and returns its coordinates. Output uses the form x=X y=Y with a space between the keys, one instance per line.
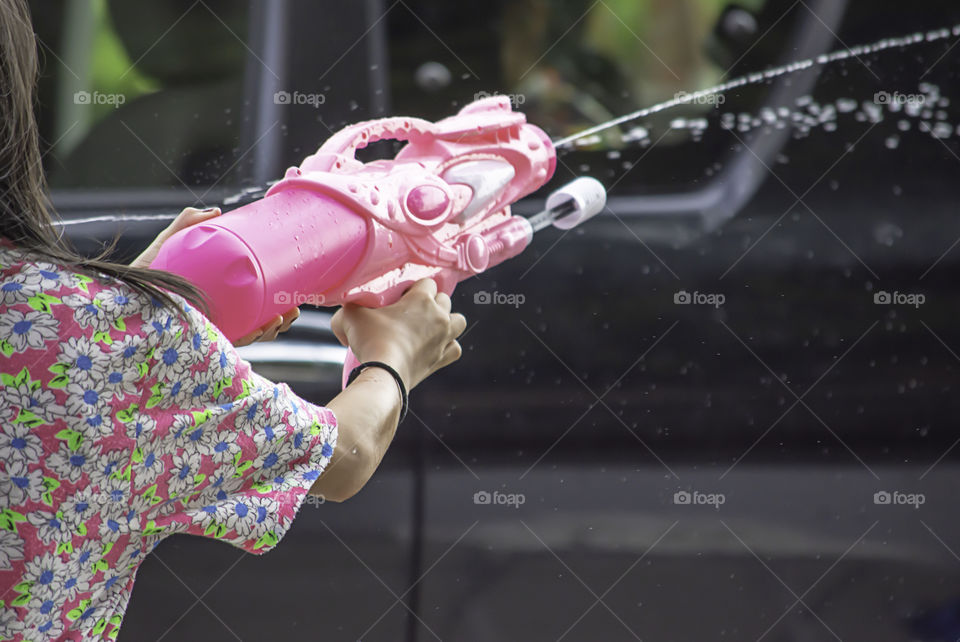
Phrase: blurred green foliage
x=111 y=69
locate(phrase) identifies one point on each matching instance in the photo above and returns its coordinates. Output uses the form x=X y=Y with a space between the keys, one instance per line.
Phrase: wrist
x=382 y=378
x=393 y=358
x=382 y=374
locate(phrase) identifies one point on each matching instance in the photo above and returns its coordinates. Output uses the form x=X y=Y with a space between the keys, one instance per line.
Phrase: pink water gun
x=335 y=230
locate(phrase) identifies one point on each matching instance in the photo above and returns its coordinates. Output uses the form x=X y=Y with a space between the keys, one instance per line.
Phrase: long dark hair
x=26 y=215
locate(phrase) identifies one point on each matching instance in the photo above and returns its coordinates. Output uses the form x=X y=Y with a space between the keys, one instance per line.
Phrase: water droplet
x=887 y=233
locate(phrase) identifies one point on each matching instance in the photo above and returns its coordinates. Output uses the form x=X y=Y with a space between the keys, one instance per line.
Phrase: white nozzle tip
x=588 y=196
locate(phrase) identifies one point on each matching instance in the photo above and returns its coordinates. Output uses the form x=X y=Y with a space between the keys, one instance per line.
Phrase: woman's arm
x=416 y=336
x=367 y=413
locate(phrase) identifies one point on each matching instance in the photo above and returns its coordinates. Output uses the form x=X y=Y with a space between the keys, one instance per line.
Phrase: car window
x=127 y=102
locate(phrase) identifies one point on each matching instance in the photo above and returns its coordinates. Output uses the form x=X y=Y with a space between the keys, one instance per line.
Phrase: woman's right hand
x=417 y=335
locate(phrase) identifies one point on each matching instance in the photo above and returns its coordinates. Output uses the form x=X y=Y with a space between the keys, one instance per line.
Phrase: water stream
x=590 y=136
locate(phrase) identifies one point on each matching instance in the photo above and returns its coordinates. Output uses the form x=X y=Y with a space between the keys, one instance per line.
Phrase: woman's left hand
x=192 y=216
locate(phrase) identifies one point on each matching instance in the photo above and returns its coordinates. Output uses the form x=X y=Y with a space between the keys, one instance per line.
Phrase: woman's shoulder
x=33 y=279
x=40 y=273
x=38 y=292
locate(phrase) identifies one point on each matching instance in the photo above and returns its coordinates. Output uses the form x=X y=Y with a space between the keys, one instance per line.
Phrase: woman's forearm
x=367 y=412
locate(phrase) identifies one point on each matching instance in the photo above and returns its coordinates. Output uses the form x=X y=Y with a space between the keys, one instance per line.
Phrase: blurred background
x=725 y=409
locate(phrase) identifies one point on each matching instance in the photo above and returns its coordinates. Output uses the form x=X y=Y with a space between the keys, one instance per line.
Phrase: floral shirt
x=120 y=424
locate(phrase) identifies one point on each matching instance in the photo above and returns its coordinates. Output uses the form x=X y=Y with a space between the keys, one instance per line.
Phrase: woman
x=126 y=416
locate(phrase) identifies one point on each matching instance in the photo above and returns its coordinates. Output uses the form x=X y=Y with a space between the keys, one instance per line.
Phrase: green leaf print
x=157 y=396
x=60 y=368
x=21 y=600
x=75 y=614
x=268 y=539
x=74 y=438
x=9 y=519
x=128 y=414
x=152 y=529
x=222 y=385
x=82 y=280
x=262 y=487
x=41 y=302
x=28 y=418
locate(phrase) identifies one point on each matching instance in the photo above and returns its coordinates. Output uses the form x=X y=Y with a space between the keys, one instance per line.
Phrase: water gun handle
x=349 y=363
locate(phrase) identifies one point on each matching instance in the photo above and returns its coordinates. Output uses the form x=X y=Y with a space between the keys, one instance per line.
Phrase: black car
x=724 y=409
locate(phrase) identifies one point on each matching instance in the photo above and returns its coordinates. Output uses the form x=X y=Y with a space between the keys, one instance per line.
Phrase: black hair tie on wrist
x=396 y=376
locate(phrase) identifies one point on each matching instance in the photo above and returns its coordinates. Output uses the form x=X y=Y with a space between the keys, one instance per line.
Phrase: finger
x=272 y=329
x=458 y=324
x=248 y=339
x=452 y=352
x=288 y=319
x=443 y=300
x=336 y=325
x=427 y=286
